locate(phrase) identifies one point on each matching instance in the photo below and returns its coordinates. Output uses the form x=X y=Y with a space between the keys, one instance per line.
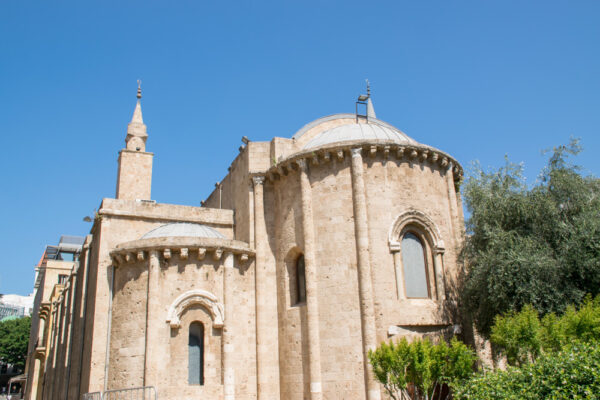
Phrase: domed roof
x=183 y=229
x=372 y=131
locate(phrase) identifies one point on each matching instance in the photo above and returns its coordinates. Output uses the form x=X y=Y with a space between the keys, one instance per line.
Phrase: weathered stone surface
x=344 y=206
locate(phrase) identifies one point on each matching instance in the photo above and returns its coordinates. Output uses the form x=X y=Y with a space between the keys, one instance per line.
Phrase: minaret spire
x=136 y=130
x=137 y=113
x=134 y=179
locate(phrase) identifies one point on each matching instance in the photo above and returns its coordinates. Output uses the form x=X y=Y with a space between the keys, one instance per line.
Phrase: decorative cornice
x=301 y=164
x=389 y=151
x=137 y=250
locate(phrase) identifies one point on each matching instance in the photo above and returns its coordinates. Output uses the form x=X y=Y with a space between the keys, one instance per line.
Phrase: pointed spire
x=370 y=108
x=136 y=130
x=137 y=113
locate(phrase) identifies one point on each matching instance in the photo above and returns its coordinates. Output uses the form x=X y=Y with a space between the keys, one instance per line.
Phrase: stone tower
x=134 y=179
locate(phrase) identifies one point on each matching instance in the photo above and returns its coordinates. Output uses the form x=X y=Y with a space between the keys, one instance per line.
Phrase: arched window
x=196 y=354
x=300 y=280
x=414 y=265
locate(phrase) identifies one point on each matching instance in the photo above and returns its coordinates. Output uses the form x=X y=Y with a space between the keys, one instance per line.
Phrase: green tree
x=537 y=245
x=14 y=338
x=419 y=369
x=522 y=336
x=572 y=373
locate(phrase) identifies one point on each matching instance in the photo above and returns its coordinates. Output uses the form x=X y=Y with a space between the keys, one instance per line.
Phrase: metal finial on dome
x=365 y=100
x=370 y=108
x=139 y=92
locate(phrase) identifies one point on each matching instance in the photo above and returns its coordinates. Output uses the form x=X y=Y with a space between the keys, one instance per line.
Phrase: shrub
x=421 y=367
x=572 y=373
x=523 y=336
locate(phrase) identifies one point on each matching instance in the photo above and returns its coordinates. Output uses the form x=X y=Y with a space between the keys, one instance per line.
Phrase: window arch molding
x=415 y=220
x=421 y=225
x=201 y=297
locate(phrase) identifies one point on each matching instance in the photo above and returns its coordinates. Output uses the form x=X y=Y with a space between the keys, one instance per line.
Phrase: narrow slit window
x=300 y=280
x=196 y=354
x=415 y=268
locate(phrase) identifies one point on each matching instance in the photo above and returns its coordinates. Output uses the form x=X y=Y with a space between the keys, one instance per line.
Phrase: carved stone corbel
x=183 y=253
x=218 y=254
x=400 y=152
x=372 y=151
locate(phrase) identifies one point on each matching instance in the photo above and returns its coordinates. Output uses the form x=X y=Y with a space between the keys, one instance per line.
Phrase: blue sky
x=478 y=79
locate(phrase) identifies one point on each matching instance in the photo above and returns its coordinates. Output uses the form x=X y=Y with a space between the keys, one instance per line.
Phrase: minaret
x=134 y=180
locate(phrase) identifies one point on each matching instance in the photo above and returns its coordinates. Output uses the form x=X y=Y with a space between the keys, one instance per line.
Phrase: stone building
x=311 y=251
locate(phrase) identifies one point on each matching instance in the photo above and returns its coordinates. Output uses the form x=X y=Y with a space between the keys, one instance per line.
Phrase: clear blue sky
x=478 y=79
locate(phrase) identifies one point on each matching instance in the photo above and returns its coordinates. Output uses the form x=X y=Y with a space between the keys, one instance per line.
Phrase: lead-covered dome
x=183 y=229
x=373 y=131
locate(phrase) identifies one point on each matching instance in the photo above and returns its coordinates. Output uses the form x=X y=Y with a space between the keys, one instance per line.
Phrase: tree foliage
x=518 y=335
x=14 y=338
x=419 y=369
x=537 y=245
x=523 y=336
x=572 y=373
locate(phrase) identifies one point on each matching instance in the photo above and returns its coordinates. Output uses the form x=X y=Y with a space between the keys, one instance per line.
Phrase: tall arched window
x=300 y=280
x=414 y=265
x=196 y=354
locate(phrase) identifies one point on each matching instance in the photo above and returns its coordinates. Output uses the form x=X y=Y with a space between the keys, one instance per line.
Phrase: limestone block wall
x=128 y=328
x=134 y=179
x=235 y=191
x=339 y=303
x=148 y=350
x=122 y=221
x=337 y=288
x=394 y=187
x=292 y=327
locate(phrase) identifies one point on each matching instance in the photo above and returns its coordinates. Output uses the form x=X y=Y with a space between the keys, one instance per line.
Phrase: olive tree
x=530 y=244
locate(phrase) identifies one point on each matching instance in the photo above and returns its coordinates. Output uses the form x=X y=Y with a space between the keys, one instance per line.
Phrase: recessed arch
x=203 y=298
x=413 y=232
x=420 y=220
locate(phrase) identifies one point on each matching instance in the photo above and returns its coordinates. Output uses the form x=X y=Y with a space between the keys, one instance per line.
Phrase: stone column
x=439 y=274
x=365 y=285
x=398 y=267
x=267 y=346
x=228 y=348
x=152 y=359
x=34 y=375
x=453 y=204
x=312 y=295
